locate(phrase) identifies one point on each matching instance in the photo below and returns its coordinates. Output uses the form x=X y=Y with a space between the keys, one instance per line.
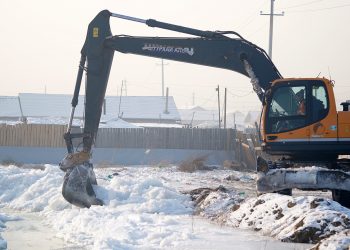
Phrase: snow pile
x=31 y=189
x=157 y=125
x=151 y=207
x=140 y=210
x=9 y=122
x=214 y=203
x=240 y=176
x=116 y=123
x=53 y=120
x=339 y=241
x=304 y=219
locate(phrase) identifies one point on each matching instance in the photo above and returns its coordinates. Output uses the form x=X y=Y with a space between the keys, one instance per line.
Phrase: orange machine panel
x=344 y=124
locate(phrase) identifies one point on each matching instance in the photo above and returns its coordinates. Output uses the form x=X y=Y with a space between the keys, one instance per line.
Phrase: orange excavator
x=302 y=133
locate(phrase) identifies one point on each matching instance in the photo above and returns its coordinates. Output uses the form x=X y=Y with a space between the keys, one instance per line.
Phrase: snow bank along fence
x=40 y=135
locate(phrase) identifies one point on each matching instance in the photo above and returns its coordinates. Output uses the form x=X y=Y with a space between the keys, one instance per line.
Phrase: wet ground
x=30 y=233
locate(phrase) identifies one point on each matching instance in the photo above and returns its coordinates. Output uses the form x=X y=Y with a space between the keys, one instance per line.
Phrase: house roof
x=58 y=105
x=142 y=107
x=48 y=105
x=9 y=106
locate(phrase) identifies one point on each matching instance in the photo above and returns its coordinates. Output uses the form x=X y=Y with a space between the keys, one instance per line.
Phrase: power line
x=259 y=29
x=321 y=9
x=210 y=99
x=302 y=4
x=251 y=18
x=235 y=95
x=173 y=84
x=343 y=86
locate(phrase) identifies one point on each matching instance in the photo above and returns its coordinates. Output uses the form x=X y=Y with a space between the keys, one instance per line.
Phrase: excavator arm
x=208 y=48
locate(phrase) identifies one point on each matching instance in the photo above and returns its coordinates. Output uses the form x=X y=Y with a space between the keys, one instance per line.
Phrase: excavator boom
x=209 y=48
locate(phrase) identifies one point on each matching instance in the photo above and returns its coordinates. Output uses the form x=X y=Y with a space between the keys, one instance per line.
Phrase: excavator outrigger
x=316 y=135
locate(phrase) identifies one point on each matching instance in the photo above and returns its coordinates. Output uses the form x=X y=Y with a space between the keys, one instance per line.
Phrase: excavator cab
x=288 y=107
x=296 y=116
x=301 y=128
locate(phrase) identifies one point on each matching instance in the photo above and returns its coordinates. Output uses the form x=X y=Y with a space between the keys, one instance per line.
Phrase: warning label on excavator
x=95 y=32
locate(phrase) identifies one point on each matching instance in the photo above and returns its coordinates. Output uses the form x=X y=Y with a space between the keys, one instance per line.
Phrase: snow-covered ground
x=104 y=123
x=158 y=207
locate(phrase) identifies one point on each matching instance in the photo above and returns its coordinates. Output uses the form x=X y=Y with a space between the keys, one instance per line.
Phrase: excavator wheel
x=342 y=197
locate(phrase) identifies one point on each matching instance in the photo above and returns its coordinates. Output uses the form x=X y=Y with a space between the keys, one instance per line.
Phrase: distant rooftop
x=58 y=105
x=9 y=106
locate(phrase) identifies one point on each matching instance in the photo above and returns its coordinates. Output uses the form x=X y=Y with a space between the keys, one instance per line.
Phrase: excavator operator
x=318 y=108
x=301 y=102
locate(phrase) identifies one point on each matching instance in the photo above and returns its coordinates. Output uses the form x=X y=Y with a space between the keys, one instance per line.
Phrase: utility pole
x=271 y=14
x=218 y=90
x=225 y=103
x=124 y=88
x=234 y=120
x=162 y=77
x=166 y=111
x=162 y=64
x=120 y=98
x=23 y=119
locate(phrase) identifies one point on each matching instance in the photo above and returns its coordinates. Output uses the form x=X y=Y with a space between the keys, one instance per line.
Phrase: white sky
x=41 y=41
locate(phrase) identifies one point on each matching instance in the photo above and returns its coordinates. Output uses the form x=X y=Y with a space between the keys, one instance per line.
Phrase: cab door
x=323 y=128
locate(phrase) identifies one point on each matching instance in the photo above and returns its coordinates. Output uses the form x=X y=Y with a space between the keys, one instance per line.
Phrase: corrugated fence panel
x=40 y=135
x=32 y=135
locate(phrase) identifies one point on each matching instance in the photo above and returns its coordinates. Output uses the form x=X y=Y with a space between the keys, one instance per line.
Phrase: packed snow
x=104 y=123
x=116 y=123
x=159 y=207
x=339 y=241
x=3 y=219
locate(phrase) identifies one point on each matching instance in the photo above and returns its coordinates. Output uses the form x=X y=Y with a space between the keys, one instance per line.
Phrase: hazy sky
x=41 y=41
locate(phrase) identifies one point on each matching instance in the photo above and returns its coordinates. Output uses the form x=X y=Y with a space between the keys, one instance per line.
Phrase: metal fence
x=245 y=146
x=38 y=135
x=32 y=135
x=166 y=138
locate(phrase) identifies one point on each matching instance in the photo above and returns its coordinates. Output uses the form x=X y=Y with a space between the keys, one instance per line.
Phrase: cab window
x=319 y=102
x=287 y=109
x=288 y=101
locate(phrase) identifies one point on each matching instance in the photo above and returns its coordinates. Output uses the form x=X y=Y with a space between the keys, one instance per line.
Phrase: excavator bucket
x=78 y=182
